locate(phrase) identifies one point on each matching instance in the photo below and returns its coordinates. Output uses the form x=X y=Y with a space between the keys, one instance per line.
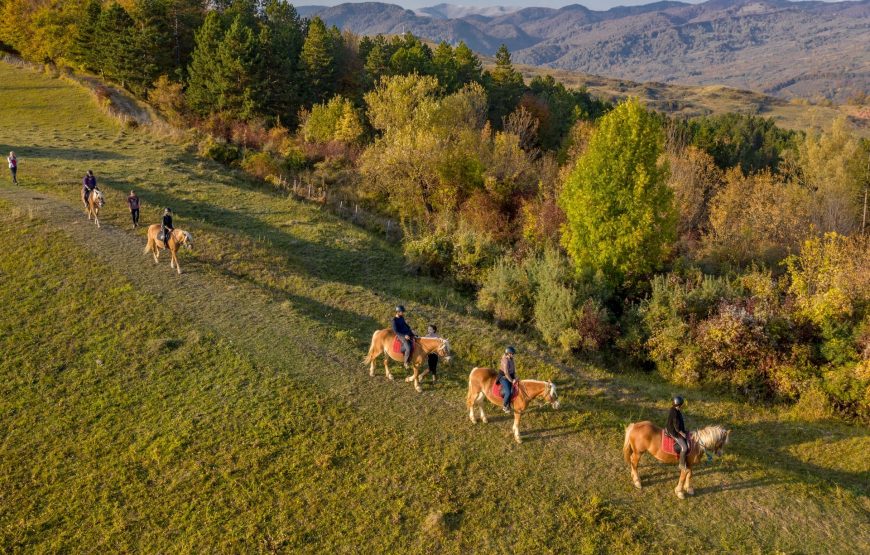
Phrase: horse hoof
x=638 y=485
x=681 y=495
x=418 y=389
x=371 y=373
x=409 y=379
x=390 y=377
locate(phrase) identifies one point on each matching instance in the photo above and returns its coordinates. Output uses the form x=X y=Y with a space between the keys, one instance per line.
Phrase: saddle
x=669 y=444
x=496 y=391
x=397 y=345
x=161 y=236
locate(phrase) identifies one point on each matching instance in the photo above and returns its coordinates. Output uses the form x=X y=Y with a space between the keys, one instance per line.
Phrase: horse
x=382 y=343
x=641 y=437
x=177 y=239
x=480 y=384
x=95 y=201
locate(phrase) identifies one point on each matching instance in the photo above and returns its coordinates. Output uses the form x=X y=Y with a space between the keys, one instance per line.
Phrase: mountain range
x=790 y=49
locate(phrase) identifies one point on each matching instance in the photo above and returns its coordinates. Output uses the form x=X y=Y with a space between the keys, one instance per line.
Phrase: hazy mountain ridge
x=776 y=46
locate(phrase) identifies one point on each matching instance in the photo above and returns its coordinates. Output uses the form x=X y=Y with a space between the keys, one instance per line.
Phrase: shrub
x=507 y=292
x=168 y=97
x=336 y=120
x=219 y=151
x=262 y=165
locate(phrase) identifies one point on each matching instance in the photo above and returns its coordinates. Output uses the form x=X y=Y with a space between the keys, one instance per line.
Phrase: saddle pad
x=668 y=444
x=397 y=346
x=496 y=391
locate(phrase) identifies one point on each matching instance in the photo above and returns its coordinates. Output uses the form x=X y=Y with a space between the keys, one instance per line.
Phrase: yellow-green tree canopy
x=620 y=215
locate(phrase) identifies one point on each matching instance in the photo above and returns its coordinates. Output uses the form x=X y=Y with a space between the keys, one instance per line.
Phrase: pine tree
x=201 y=89
x=152 y=44
x=469 y=69
x=281 y=42
x=83 y=49
x=505 y=87
x=445 y=67
x=115 y=45
x=318 y=62
x=239 y=77
x=621 y=219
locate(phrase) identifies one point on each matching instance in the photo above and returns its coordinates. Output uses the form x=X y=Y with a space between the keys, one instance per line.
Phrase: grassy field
x=226 y=409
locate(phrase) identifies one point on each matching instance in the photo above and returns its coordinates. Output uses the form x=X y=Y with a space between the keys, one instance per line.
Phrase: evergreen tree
x=410 y=56
x=505 y=87
x=239 y=77
x=621 y=219
x=469 y=69
x=152 y=44
x=318 y=62
x=201 y=89
x=377 y=55
x=445 y=67
x=116 y=45
x=184 y=18
x=83 y=49
x=281 y=42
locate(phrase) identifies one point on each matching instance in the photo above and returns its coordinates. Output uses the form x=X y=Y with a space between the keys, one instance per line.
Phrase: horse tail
x=373 y=350
x=626 y=447
x=149 y=245
x=471 y=396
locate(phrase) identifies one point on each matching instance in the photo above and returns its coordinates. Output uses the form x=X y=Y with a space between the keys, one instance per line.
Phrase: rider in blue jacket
x=404 y=332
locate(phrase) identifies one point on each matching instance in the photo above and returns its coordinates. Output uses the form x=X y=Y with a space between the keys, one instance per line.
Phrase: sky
x=413 y=4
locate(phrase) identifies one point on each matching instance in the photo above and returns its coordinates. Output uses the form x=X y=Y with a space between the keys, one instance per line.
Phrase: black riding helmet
x=400 y=308
x=167 y=210
x=510 y=350
x=678 y=401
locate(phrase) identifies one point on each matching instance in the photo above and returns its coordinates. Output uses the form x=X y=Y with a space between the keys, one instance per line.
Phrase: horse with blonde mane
x=177 y=239
x=94 y=202
x=646 y=437
x=382 y=343
x=481 y=382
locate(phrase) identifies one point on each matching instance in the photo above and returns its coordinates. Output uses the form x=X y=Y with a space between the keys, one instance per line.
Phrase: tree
x=152 y=43
x=469 y=69
x=620 y=214
x=201 y=89
x=754 y=143
x=505 y=87
x=281 y=42
x=83 y=48
x=445 y=67
x=238 y=82
x=116 y=45
x=318 y=62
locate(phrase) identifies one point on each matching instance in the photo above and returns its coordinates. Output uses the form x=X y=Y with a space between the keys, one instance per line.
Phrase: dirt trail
x=567 y=445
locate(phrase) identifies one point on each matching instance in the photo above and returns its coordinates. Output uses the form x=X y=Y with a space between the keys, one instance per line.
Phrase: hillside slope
x=790 y=49
x=226 y=409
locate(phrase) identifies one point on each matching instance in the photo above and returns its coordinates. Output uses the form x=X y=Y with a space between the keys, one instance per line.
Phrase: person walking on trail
x=432 y=359
x=676 y=428
x=507 y=377
x=13 y=167
x=133 y=202
x=404 y=332
x=167 y=226
x=89 y=184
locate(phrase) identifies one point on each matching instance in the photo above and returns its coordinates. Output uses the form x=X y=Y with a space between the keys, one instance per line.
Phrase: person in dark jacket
x=167 y=226
x=507 y=376
x=89 y=184
x=404 y=332
x=432 y=359
x=133 y=202
x=676 y=428
x=13 y=167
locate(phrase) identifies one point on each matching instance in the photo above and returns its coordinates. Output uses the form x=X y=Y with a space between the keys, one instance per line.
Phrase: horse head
x=101 y=200
x=443 y=350
x=186 y=240
x=713 y=439
x=551 y=396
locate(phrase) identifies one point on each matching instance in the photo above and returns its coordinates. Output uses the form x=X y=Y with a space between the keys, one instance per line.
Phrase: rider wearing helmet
x=507 y=376
x=89 y=184
x=676 y=428
x=167 y=226
x=404 y=332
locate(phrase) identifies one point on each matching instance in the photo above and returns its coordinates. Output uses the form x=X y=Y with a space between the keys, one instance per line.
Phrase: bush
x=168 y=97
x=507 y=292
x=218 y=151
x=262 y=165
x=336 y=120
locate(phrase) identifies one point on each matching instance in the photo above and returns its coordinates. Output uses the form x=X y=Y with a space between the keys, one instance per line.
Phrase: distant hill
x=788 y=49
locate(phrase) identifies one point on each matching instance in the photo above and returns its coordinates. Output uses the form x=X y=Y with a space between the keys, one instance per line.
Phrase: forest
x=721 y=252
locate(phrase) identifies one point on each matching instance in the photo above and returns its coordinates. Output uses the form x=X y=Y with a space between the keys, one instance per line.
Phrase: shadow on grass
x=64 y=153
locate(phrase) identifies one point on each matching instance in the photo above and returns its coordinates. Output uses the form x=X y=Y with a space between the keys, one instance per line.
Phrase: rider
x=89 y=184
x=507 y=376
x=167 y=226
x=676 y=428
x=404 y=332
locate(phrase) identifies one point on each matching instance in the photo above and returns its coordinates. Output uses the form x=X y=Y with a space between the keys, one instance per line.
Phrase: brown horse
x=177 y=239
x=382 y=343
x=480 y=383
x=645 y=436
x=95 y=201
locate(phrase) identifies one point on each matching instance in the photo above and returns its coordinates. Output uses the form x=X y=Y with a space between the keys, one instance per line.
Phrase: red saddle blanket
x=397 y=346
x=668 y=444
x=496 y=391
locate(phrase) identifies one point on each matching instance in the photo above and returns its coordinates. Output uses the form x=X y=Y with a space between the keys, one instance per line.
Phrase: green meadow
x=227 y=409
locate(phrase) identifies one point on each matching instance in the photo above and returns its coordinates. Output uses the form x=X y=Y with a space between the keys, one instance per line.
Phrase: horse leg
x=387 y=367
x=679 y=489
x=688 y=484
x=516 y=427
x=480 y=402
x=417 y=379
x=177 y=265
x=635 y=477
x=96 y=219
x=372 y=367
x=470 y=401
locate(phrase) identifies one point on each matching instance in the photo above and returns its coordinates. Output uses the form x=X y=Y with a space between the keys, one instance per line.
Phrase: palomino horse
x=176 y=240
x=645 y=436
x=480 y=384
x=382 y=343
x=95 y=201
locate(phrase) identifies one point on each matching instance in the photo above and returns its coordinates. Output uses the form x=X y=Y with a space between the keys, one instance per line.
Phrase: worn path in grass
x=313 y=287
